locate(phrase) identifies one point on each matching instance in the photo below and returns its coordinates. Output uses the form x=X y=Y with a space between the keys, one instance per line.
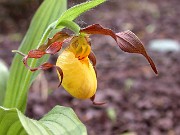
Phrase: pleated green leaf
x=59 y=121
x=20 y=77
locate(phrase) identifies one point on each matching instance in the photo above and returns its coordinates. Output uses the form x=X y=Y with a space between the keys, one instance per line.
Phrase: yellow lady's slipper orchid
x=76 y=64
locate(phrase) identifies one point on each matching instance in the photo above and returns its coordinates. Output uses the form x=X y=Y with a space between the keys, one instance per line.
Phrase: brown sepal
x=130 y=43
x=126 y=40
x=98 y=29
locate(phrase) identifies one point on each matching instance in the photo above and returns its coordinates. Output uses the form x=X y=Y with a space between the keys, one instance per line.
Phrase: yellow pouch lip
x=79 y=75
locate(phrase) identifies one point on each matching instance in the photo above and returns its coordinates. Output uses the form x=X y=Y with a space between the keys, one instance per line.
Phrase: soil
x=138 y=101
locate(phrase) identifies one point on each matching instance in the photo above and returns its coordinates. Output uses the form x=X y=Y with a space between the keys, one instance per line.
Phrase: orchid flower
x=76 y=65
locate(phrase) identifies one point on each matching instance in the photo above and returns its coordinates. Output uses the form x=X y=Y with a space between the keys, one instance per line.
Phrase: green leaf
x=77 y=10
x=20 y=77
x=66 y=19
x=3 y=80
x=59 y=121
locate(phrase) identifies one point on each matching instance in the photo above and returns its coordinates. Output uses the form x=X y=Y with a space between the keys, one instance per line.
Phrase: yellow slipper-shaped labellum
x=79 y=77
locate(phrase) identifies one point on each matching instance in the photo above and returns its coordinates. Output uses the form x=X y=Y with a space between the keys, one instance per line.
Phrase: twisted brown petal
x=92 y=57
x=60 y=73
x=36 y=54
x=58 y=37
x=51 y=47
x=54 y=48
x=44 y=66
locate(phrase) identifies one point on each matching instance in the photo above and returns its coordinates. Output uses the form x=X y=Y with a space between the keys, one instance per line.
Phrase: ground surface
x=137 y=101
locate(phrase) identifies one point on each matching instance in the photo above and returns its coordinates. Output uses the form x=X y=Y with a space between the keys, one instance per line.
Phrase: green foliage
x=20 y=77
x=77 y=10
x=60 y=120
x=67 y=17
x=3 y=80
